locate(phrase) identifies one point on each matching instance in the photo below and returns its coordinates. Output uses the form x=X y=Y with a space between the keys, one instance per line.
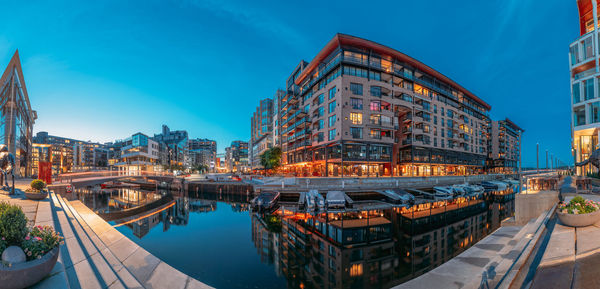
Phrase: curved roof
x=343 y=39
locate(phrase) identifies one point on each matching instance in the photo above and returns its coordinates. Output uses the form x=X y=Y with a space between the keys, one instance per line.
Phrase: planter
x=25 y=274
x=36 y=195
x=580 y=220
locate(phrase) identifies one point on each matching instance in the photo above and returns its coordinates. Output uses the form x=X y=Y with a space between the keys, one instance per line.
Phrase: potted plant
x=28 y=254
x=36 y=192
x=579 y=212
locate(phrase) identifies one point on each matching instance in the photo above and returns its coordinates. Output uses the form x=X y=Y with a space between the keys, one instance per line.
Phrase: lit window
x=356 y=270
x=356 y=118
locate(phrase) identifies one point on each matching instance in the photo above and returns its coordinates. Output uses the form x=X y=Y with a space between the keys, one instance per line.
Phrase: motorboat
x=512 y=181
x=399 y=196
x=435 y=196
x=317 y=200
x=266 y=200
x=494 y=185
x=310 y=201
x=335 y=199
x=444 y=190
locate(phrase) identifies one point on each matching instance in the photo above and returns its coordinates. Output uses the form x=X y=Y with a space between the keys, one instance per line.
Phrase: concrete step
x=85 y=267
x=127 y=280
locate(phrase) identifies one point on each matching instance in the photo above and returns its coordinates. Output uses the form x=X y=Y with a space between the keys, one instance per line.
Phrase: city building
x=505 y=147
x=203 y=152
x=236 y=156
x=363 y=109
x=261 y=130
x=68 y=155
x=139 y=153
x=276 y=124
x=16 y=117
x=175 y=147
x=585 y=87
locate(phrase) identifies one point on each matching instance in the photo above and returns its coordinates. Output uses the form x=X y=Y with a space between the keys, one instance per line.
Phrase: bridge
x=93 y=178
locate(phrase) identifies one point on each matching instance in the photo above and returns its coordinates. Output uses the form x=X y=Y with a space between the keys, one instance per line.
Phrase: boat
x=310 y=201
x=494 y=185
x=444 y=190
x=399 y=196
x=435 y=196
x=320 y=201
x=512 y=182
x=266 y=200
x=335 y=199
x=461 y=189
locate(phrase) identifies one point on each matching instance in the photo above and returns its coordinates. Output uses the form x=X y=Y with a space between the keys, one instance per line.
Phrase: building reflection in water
x=373 y=245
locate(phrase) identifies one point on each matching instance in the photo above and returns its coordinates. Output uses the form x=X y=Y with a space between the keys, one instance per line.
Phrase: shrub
x=38 y=184
x=39 y=241
x=579 y=205
x=2 y=245
x=13 y=224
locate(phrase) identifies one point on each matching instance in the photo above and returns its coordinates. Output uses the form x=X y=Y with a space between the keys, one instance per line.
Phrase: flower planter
x=579 y=220
x=36 y=195
x=25 y=274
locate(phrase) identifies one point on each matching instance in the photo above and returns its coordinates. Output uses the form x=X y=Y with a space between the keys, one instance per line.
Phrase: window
x=576 y=93
x=321 y=124
x=376 y=91
x=356 y=88
x=320 y=99
x=450 y=123
x=374 y=75
x=435 y=119
x=356 y=132
x=588 y=89
x=332 y=106
x=355 y=71
x=331 y=134
x=332 y=92
x=579 y=115
x=375 y=105
x=332 y=120
x=321 y=111
x=356 y=117
x=356 y=103
x=450 y=113
x=595 y=110
x=375 y=133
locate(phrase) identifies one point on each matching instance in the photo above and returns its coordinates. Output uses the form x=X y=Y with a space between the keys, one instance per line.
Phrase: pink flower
x=38 y=238
x=27 y=238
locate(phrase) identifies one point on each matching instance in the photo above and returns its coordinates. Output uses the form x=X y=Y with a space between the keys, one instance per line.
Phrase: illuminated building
x=505 y=147
x=261 y=130
x=236 y=156
x=585 y=87
x=139 y=153
x=175 y=143
x=363 y=109
x=203 y=151
x=69 y=155
x=16 y=116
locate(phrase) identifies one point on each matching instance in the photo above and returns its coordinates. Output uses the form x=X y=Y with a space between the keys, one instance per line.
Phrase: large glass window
x=320 y=99
x=356 y=88
x=332 y=120
x=356 y=132
x=588 y=48
x=356 y=117
x=574 y=52
x=331 y=134
x=579 y=115
x=595 y=111
x=375 y=105
x=576 y=93
x=356 y=103
x=376 y=91
x=332 y=92
x=332 y=106
x=588 y=91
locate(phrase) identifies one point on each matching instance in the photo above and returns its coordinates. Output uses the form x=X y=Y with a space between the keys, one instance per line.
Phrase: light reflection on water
x=216 y=239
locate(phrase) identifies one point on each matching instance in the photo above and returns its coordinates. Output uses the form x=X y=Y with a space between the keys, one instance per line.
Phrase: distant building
x=16 y=117
x=276 y=116
x=68 y=155
x=585 y=86
x=236 y=156
x=175 y=143
x=261 y=130
x=139 y=153
x=505 y=147
x=203 y=151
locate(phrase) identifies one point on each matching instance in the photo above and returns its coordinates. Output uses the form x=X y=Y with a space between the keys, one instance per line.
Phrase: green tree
x=271 y=158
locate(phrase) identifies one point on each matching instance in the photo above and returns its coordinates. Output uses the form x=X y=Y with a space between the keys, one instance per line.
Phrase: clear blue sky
x=103 y=70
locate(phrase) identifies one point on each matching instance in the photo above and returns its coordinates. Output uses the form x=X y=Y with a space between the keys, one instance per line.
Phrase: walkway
x=572 y=258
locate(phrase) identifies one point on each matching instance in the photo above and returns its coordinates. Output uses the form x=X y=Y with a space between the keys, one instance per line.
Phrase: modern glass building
x=16 y=116
x=585 y=85
x=363 y=109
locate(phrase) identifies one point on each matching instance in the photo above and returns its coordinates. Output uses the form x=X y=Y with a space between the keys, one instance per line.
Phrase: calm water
x=216 y=239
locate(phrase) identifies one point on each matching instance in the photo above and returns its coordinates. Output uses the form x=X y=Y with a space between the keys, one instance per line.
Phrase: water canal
x=217 y=239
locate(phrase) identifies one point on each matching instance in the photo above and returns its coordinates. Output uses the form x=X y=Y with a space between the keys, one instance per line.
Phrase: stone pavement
x=572 y=257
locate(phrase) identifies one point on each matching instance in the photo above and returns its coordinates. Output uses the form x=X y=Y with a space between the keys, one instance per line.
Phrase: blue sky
x=103 y=70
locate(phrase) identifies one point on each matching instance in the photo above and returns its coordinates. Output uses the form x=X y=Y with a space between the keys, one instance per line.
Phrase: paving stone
x=588 y=239
x=110 y=237
x=104 y=269
x=141 y=264
x=557 y=276
x=54 y=281
x=587 y=270
x=73 y=251
x=83 y=275
x=123 y=248
x=165 y=276
x=128 y=279
x=560 y=246
x=195 y=284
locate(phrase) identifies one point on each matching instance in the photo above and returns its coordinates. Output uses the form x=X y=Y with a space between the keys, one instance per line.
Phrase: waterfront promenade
x=94 y=254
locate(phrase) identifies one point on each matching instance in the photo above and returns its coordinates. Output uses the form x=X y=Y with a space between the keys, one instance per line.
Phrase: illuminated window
x=356 y=270
x=356 y=118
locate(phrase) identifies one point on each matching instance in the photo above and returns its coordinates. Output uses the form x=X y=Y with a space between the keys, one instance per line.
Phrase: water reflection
x=374 y=245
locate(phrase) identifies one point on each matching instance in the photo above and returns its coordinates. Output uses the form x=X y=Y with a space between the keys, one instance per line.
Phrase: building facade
x=68 y=155
x=363 y=109
x=139 y=154
x=261 y=130
x=505 y=147
x=585 y=86
x=16 y=117
x=203 y=152
x=174 y=146
x=236 y=156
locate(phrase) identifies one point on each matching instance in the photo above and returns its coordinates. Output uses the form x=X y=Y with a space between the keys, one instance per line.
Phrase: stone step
x=86 y=268
x=127 y=279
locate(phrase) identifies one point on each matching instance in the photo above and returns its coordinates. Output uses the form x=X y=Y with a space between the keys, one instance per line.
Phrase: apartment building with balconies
x=585 y=85
x=363 y=109
x=504 y=152
x=261 y=130
x=139 y=154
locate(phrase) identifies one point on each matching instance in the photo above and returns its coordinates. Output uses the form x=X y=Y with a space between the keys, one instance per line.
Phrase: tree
x=201 y=168
x=271 y=158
